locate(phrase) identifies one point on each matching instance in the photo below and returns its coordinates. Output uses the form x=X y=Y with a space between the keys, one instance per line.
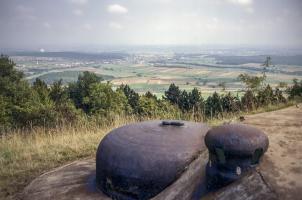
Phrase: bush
x=79 y=91
x=265 y=96
x=5 y=113
x=230 y=103
x=132 y=98
x=148 y=107
x=102 y=100
x=295 y=91
x=36 y=112
x=248 y=101
x=213 y=105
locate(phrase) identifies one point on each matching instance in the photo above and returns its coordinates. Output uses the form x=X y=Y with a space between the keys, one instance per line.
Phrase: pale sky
x=66 y=23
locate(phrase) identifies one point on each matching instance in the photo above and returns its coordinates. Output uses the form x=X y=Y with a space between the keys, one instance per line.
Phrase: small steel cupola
x=234 y=149
x=139 y=160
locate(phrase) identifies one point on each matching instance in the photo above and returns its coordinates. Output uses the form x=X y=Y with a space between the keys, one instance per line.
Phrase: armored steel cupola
x=139 y=160
x=234 y=149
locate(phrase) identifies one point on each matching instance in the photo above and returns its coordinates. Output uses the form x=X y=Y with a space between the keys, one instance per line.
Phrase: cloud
x=215 y=20
x=241 y=2
x=25 y=13
x=117 y=9
x=46 y=25
x=250 y=10
x=246 y=4
x=87 y=27
x=164 y=1
x=115 y=25
x=78 y=12
x=190 y=14
x=79 y=2
x=24 y=9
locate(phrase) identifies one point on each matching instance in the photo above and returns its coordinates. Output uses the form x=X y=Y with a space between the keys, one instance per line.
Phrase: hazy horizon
x=95 y=24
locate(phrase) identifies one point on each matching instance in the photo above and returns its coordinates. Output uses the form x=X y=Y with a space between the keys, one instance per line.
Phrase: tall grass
x=25 y=154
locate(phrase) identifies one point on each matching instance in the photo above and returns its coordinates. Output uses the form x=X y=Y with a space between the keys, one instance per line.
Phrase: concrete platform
x=251 y=187
x=76 y=181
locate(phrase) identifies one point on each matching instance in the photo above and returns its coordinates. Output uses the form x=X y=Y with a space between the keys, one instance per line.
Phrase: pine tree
x=132 y=97
x=79 y=91
x=173 y=94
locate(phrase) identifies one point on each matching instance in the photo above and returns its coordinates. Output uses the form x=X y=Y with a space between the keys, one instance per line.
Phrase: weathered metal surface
x=139 y=160
x=233 y=150
x=236 y=139
x=190 y=185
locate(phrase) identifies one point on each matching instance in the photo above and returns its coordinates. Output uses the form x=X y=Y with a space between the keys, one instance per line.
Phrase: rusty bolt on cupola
x=234 y=149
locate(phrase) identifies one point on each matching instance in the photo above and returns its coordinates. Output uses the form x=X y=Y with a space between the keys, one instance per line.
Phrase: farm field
x=154 y=72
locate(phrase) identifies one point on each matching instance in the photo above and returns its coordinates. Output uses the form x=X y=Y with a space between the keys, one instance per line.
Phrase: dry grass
x=25 y=155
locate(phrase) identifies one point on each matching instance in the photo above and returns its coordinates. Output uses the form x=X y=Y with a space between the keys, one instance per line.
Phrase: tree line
x=25 y=105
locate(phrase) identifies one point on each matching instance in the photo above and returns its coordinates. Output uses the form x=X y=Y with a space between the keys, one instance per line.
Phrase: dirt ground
x=282 y=163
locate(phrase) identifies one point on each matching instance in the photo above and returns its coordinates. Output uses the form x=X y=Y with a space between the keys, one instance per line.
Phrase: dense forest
x=25 y=105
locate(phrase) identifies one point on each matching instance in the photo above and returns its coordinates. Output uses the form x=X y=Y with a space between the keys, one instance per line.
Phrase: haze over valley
x=154 y=68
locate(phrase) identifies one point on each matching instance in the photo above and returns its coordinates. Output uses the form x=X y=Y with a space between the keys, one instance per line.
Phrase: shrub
x=295 y=91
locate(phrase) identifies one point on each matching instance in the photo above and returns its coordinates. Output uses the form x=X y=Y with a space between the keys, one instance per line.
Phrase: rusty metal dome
x=236 y=139
x=234 y=149
x=139 y=160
